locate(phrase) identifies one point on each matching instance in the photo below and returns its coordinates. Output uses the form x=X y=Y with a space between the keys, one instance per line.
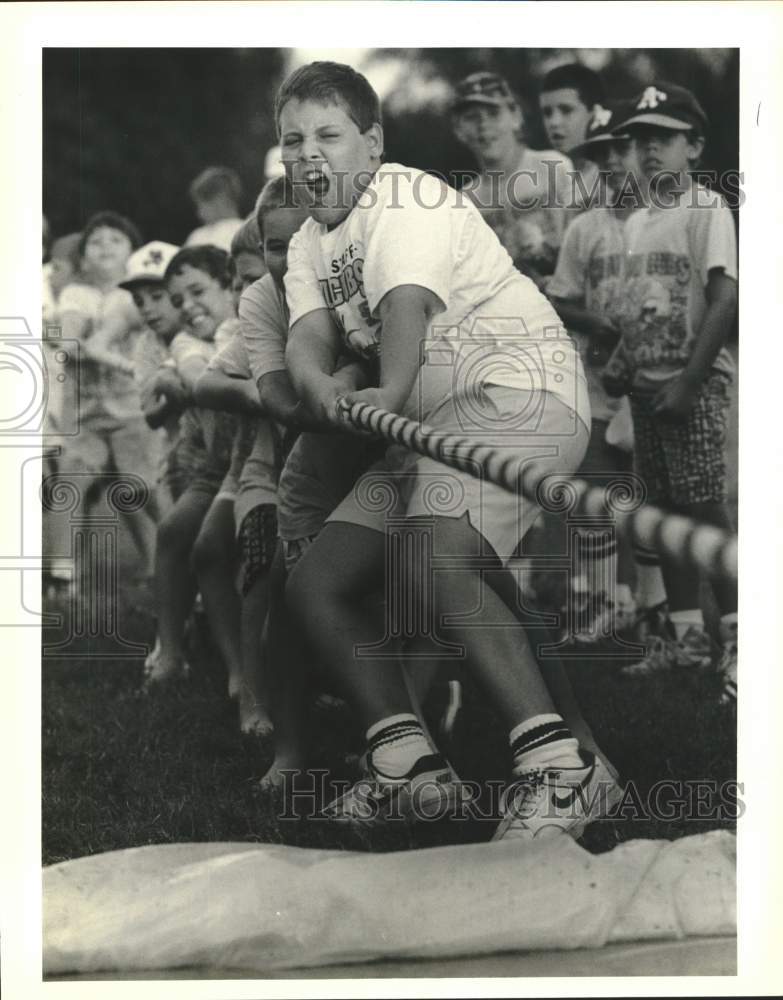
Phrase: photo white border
x=756 y=28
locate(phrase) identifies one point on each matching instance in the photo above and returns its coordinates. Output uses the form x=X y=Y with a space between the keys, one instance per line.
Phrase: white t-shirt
x=662 y=301
x=590 y=273
x=219 y=234
x=410 y=228
x=529 y=208
x=263 y=320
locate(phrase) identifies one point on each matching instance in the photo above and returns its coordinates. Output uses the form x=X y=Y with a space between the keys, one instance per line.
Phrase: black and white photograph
x=378 y=475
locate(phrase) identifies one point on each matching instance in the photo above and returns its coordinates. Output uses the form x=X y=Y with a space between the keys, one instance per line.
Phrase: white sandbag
x=689 y=890
x=269 y=907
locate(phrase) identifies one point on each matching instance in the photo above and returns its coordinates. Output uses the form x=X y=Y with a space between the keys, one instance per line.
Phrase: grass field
x=121 y=769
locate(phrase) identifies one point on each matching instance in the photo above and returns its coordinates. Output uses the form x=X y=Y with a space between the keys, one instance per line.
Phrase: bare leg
x=286 y=673
x=214 y=557
x=347 y=561
x=253 y=693
x=175 y=582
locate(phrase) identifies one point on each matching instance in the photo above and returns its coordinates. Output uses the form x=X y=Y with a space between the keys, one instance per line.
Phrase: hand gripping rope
x=710 y=549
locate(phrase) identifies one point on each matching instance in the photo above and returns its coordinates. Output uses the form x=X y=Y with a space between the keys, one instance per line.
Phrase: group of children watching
x=226 y=376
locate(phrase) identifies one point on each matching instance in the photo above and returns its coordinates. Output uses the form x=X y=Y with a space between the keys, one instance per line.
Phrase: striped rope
x=710 y=549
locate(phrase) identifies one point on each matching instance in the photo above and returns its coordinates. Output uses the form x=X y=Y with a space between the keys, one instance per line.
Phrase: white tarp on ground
x=268 y=907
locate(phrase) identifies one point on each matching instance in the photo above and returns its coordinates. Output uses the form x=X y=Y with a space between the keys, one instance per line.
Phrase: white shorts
x=535 y=426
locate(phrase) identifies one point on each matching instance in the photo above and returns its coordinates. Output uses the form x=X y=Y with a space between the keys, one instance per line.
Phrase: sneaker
x=727 y=665
x=427 y=791
x=693 y=652
x=553 y=800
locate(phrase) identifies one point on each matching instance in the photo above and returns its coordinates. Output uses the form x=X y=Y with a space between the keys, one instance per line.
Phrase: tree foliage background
x=128 y=129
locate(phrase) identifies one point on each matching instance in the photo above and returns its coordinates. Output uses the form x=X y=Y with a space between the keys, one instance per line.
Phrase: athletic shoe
x=727 y=665
x=694 y=651
x=553 y=800
x=427 y=791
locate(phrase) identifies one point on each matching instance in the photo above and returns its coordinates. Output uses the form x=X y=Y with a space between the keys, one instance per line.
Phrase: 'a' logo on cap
x=651 y=98
x=153 y=258
x=601 y=117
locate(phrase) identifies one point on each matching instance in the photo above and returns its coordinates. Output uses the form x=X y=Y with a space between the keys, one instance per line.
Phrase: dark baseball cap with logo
x=666 y=105
x=604 y=119
x=483 y=88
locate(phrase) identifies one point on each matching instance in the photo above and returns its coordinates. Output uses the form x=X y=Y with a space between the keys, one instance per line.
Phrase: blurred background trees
x=128 y=129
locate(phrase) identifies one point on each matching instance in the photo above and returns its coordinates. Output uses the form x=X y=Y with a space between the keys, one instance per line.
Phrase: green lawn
x=121 y=769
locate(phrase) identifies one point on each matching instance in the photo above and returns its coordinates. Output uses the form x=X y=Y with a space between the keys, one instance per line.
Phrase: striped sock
x=543 y=741
x=597 y=552
x=396 y=743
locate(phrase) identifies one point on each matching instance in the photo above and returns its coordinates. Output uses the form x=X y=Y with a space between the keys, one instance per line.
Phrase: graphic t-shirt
x=590 y=272
x=671 y=252
x=528 y=208
x=409 y=228
x=108 y=398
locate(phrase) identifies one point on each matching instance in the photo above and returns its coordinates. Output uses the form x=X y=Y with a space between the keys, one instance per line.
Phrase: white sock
x=682 y=621
x=543 y=741
x=396 y=743
x=650 y=589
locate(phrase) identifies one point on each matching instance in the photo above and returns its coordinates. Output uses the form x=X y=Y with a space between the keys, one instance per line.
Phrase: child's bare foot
x=234 y=685
x=253 y=718
x=164 y=669
x=279 y=774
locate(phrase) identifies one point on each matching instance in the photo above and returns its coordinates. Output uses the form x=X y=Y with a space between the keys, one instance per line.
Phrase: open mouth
x=317 y=184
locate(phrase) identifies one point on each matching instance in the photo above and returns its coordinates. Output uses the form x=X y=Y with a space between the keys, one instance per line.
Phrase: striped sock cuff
x=544 y=730
x=392 y=730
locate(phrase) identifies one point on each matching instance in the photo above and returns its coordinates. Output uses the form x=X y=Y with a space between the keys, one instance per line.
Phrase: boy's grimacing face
x=203 y=303
x=488 y=131
x=156 y=308
x=280 y=224
x=328 y=160
x=661 y=150
x=565 y=118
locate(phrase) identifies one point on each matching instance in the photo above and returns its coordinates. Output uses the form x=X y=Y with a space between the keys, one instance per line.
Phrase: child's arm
x=406 y=313
x=576 y=317
x=311 y=355
x=675 y=401
x=215 y=390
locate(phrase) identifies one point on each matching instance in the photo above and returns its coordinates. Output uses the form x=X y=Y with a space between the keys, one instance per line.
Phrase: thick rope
x=710 y=549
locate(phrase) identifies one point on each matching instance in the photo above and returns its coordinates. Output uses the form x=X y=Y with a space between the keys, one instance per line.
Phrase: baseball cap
x=605 y=117
x=148 y=263
x=483 y=88
x=666 y=105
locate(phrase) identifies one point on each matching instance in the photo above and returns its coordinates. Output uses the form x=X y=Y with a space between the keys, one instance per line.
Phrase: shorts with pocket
x=523 y=425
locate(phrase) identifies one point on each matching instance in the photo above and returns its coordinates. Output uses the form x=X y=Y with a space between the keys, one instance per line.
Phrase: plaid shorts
x=684 y=463
x=257 y=544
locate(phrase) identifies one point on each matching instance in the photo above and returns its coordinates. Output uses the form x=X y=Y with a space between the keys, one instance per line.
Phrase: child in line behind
x=194 y=550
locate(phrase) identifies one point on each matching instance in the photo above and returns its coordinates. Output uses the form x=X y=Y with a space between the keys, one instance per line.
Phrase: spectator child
x=216 y=194
x=676 y=308
x=522 y=193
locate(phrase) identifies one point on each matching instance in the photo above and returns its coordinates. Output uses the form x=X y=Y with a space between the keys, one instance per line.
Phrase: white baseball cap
x=148 y=263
